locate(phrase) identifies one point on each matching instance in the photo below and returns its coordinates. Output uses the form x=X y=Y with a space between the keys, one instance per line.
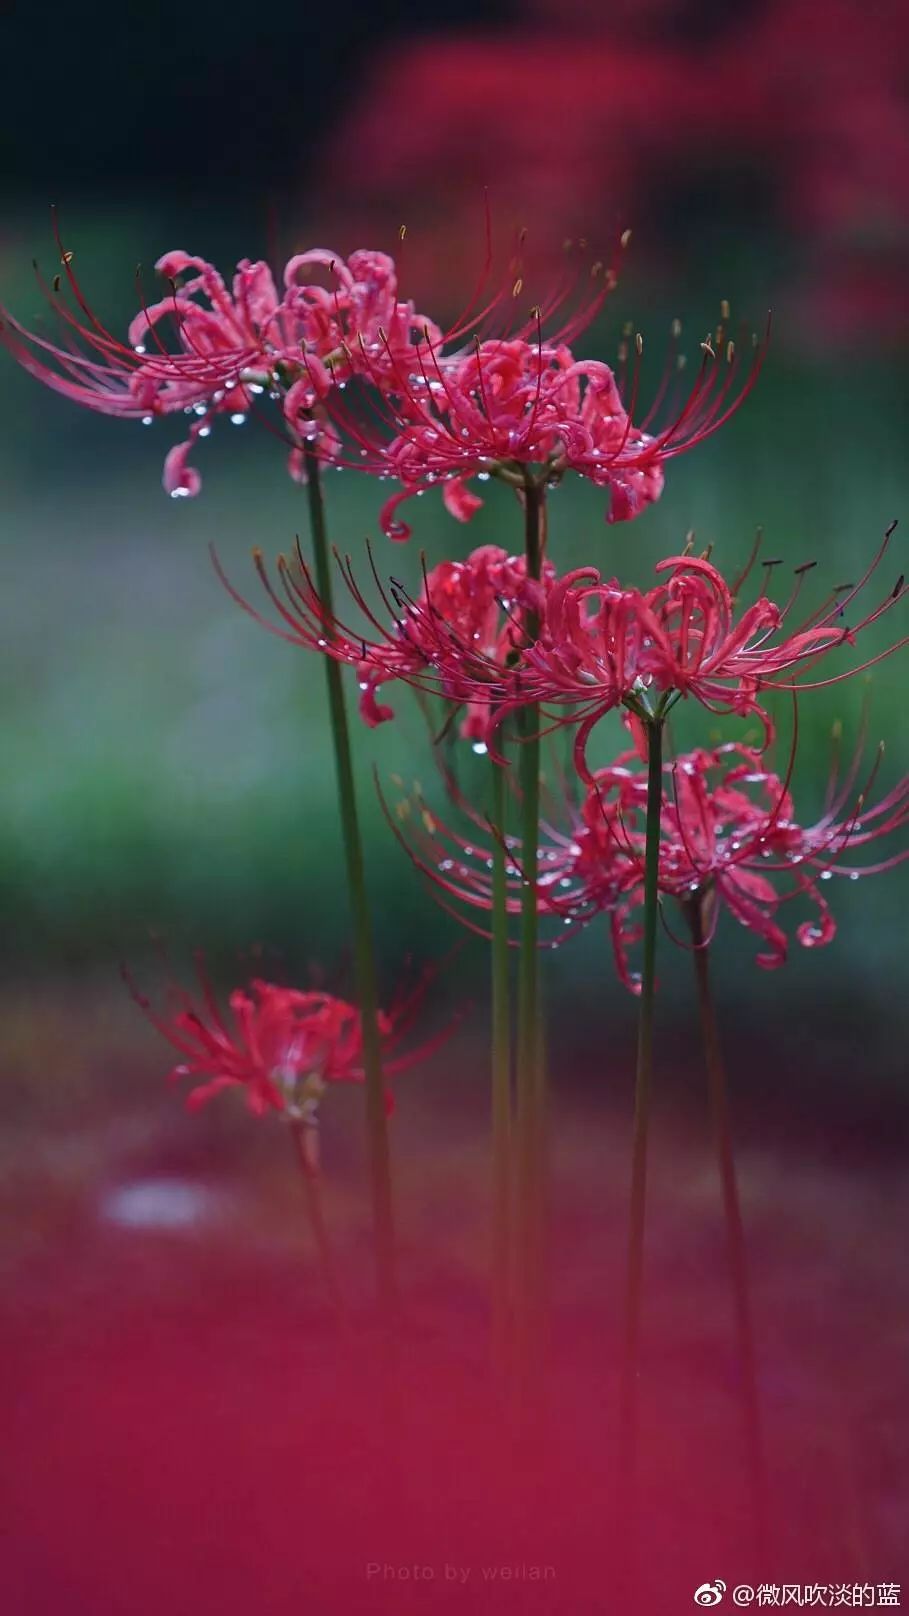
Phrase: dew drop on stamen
x=826 y=875
x=480 y=748
x=147 y=420
x=237 y=419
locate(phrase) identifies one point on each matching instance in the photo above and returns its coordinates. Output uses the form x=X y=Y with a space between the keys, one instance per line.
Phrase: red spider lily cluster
x=341 y=367
x=595 y=646
x=729 y=839
x=510 y=645
x=497 y=392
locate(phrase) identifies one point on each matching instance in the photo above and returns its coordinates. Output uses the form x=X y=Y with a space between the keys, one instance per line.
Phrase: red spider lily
x=281 y=1046
x=598 y=646
x=232 y=345
x=601 y=646
x=512 y=407
x=463 y=636
x=728 y=838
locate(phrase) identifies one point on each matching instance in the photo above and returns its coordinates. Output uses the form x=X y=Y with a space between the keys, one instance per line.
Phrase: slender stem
x=364 y=951
x=630 y=1369
x=528 y=1121
x=311 y=1180
x=501 y=1081
x=735 y=1231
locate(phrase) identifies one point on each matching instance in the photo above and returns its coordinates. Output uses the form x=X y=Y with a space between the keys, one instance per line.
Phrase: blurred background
x=166 y=764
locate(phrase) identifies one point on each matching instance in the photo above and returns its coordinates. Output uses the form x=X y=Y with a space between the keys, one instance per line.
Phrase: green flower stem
x=501 y=1081
x=309 y=1174
x=528 y=1086
x=364 y=950
x=735 y=1231
x=630 y=1366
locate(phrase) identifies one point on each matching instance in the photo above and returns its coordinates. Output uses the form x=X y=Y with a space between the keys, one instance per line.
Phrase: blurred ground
x=184 y=1424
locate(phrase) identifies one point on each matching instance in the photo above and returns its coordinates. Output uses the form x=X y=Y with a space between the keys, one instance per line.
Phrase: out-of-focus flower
x=463 y=636
x=805 y=127
x=280 y=1046
x=729 y=838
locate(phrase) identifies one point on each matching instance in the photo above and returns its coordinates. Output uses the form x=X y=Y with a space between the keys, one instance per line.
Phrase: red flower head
x=519 y=404
x=463 y=636
x=729 y=838
x=282 y=1047
x=601 y=646
x=232 y=346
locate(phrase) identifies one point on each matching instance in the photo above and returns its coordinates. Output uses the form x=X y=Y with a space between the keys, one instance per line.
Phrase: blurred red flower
x=795 y=111
x=280 y=1046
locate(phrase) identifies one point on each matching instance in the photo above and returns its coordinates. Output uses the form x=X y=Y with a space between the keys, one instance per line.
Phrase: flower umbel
x=515 y=405
x=602 y=646
x=729 y=838
x=230 y=349
x=499 y=393
x=280 y=1046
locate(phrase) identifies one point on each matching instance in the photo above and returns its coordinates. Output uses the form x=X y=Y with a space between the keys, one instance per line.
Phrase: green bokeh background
x=166 y=764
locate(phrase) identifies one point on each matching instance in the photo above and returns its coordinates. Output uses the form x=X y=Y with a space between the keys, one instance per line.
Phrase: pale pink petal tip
x=181 y=480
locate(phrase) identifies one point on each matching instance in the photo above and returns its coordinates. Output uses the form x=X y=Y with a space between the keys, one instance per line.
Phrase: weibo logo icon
x=709 y=1593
